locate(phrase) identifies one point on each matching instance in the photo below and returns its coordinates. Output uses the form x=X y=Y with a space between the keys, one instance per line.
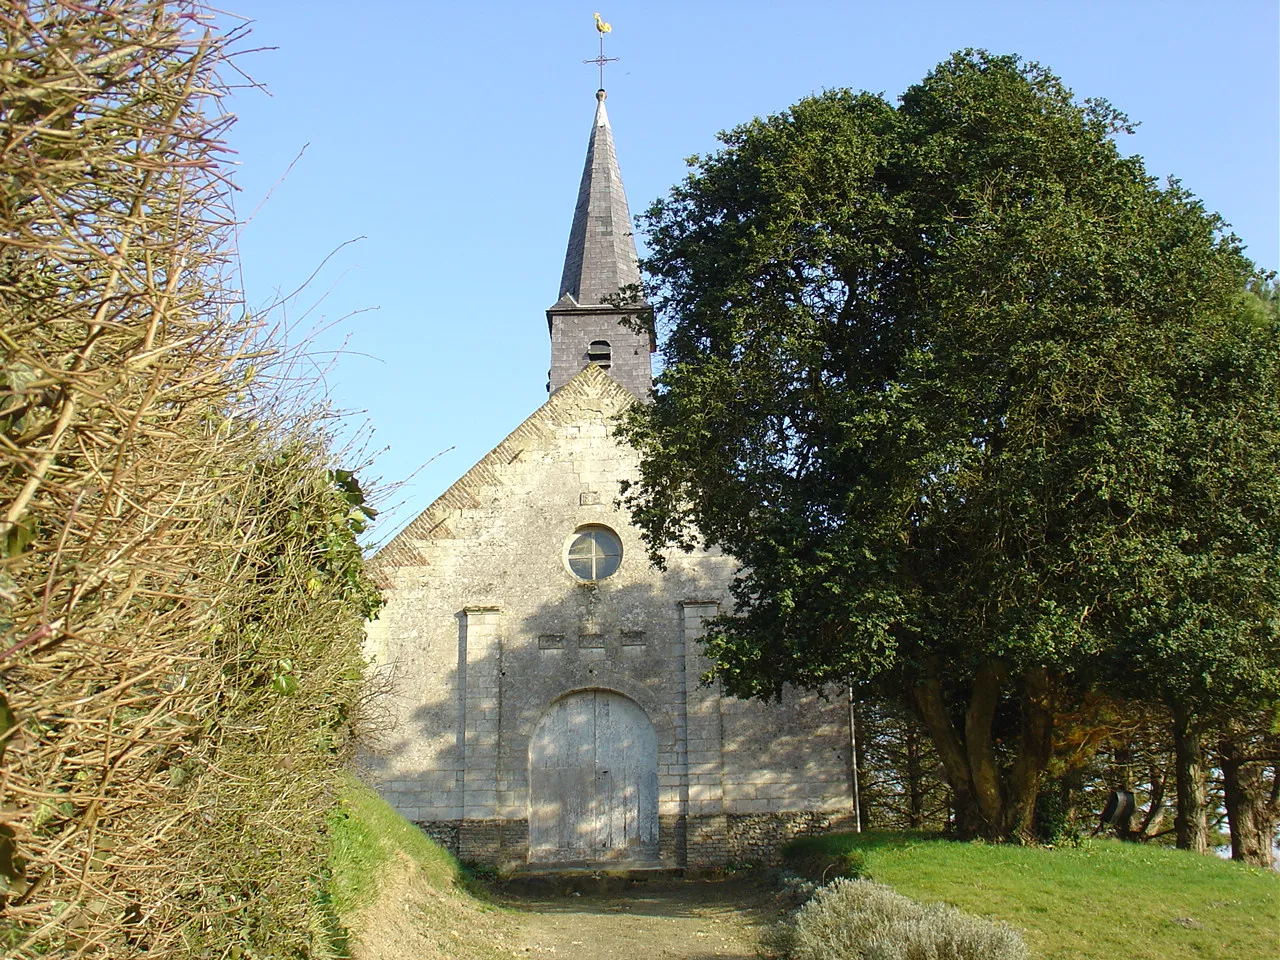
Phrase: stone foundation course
x=712 y=842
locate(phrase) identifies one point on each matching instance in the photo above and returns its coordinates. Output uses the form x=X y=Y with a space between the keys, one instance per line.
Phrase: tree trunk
x=1034 y=750
x=915 y=781
x=1250 y=811
x=1191 y=826
x=931 y=704
x=860 y=763
x=979 y=747
x=1155 y=805
x=990 y=802
x=1126 y=810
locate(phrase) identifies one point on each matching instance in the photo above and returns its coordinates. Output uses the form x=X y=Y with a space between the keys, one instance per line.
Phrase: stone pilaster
x=480 y=663
x=704 y=744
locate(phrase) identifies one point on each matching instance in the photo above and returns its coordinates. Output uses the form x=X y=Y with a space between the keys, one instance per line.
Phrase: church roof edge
x=591 y=382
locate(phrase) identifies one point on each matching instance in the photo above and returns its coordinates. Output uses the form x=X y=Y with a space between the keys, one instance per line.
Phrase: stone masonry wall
x=485 y=627
x=572 y=333
x=750 y=839
x=788 y=756
x=754 y=839
x=443 y=832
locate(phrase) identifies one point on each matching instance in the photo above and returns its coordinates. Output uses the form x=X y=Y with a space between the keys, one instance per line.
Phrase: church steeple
x=601 y=258
x=599 y=264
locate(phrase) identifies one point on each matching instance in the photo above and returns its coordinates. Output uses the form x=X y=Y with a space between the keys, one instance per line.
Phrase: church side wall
x=787 y=771
x=417 y=761
x=761 y=774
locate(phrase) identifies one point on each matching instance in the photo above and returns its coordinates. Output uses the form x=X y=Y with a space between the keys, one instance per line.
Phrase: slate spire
x=601 y=258
x=586 y=328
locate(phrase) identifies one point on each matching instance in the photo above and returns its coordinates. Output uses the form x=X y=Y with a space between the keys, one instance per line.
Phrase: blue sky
x=451 y=140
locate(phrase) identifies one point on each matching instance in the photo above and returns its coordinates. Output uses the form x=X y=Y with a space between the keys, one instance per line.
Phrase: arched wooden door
x=593 y=781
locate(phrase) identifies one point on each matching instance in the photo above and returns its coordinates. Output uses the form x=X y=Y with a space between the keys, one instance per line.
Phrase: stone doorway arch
x=593 y=781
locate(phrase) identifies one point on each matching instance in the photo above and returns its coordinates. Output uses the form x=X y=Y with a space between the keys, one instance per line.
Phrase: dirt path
x=412 y=919
x=672 y=921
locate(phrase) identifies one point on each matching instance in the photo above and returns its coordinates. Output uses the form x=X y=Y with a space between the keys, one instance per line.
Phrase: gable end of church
x=542 y=679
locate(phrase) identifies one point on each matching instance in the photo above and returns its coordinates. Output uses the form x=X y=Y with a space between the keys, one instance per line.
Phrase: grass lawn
x=1100 y=899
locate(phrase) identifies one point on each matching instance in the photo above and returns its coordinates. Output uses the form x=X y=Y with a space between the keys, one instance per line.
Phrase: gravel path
x=673 y=921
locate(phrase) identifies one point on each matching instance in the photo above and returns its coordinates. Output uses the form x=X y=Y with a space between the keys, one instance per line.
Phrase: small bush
x=859 y=920
x=795 y=888
x=1054 y=820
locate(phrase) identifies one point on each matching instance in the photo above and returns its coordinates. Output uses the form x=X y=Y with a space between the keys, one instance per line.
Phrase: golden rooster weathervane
x=602 y=28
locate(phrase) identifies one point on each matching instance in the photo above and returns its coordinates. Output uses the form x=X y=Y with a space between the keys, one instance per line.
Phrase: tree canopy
x=988 y=416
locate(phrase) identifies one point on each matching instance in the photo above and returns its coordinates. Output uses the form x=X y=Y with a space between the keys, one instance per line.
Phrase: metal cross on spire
x=602 y=28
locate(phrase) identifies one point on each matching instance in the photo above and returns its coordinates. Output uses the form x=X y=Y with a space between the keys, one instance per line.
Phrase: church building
x=543 y=679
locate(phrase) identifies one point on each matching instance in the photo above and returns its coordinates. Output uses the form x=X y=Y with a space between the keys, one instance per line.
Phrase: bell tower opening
x=600 y=354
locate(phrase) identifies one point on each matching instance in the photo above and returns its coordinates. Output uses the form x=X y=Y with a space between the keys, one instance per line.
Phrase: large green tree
x=970 y=397
x=1195 y=592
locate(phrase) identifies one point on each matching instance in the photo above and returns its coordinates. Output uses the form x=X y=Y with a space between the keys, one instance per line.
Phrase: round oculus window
x=594 y=553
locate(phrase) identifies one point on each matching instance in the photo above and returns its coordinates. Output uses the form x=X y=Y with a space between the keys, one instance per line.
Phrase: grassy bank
x=1102 y=898
x=366 y=836
x=397 y=893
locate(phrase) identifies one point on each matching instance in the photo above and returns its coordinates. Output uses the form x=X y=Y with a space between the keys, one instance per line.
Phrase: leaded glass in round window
x=594 y=553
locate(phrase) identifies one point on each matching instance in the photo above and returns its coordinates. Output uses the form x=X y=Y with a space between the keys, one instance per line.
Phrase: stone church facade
x=544 y=680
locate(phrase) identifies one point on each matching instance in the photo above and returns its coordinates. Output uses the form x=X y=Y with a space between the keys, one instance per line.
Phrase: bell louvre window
x=600 y=353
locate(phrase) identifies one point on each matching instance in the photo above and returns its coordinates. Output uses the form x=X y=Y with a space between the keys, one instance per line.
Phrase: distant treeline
x=1121 y=780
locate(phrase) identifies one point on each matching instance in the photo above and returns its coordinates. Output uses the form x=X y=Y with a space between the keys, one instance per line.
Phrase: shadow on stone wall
x=456 y=753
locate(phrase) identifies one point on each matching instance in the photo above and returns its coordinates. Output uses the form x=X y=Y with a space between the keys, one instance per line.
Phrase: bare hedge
x=181 y=592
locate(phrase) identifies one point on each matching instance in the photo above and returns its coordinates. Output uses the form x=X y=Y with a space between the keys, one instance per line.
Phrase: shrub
x=860 y=920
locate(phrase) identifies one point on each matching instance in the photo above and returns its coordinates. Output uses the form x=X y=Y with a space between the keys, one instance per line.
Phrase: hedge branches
x=181 y=591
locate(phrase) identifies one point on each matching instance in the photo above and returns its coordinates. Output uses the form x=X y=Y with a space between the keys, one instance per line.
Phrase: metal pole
x=853 y=765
